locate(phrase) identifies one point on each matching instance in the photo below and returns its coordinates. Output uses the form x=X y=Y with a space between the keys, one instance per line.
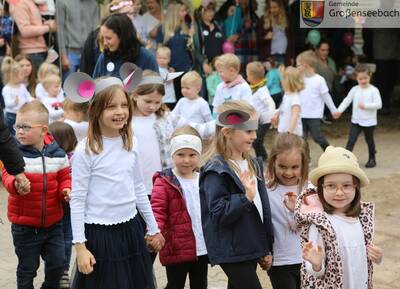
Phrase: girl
x=235 y=209
x=29 y=73
x=106 y=190
x=45 y=70
x=366 y=101
x=14 y=92
x=288 y=115
x=274 y=80
x=175 y=201
x=337 y=237
x=287 y=176
x=65 y=137
x=121 y=45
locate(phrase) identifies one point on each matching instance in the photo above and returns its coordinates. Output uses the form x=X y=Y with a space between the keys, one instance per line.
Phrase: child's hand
x=314 y=254
x=374 y=253
x=361 y=105
x=269 y=35
x=22 y=184
x=336 y=114
x=16 y=100
x=85 y=259
x=155 y=242
x=249 y=184
x=275 y=120
x=66 y=194
x=290 y=200
x=265 y=262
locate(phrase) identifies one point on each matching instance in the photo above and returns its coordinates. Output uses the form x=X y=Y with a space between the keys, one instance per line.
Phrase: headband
x=120 y=5
x=185 y=141
x=237 y=119
x=156 y=79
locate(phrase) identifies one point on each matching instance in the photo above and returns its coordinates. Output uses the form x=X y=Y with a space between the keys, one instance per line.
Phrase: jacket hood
x=51 y=148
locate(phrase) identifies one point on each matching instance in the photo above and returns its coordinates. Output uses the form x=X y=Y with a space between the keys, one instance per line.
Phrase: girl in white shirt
x=107 y=190
x=288 y=115
x=286 y=177
x=366 y=101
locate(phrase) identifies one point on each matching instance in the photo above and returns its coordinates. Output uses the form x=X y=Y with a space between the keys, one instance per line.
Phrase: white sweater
x=262 y=101
x=370 y=97
x=107 y=188
x=10 y=95
x=241 y=91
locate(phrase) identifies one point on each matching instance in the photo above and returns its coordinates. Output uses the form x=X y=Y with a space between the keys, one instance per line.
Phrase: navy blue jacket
x=232 y=226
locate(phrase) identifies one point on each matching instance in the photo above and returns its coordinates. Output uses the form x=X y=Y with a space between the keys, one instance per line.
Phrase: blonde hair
x=42 y=113
x=164 y=50
x=270 y=21
x=192 y=78
x=46 y=69
x=51 y=79
x=172 y=21
x=187 y=129
x=285 y=142
x=292 y=80
x=309 y=58
x=220 y=143
x=228 y=60
x=256 y=69
x=10 y=70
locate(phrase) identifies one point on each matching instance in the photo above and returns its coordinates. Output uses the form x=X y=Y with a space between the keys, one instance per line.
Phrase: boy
x=52 y=85
x=163 y=57
x=192 y=106
x=75 y=116
x=313 y=97
x=262 y=101
x=233 y=86
x=36 y=217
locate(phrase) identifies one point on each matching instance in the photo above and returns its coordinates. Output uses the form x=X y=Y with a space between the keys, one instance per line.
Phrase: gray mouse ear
x=131 y=75
x=233 y=117
x=79 y=87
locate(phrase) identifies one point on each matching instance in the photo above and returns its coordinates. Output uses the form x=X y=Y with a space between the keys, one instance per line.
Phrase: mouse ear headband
x=237 y=119
x=79 y=87
x=156 y=79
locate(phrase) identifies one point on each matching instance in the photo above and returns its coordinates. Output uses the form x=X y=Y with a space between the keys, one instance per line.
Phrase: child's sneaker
x=64 y=282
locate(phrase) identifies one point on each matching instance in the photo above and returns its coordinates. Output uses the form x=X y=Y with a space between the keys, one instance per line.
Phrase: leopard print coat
x=333 y=277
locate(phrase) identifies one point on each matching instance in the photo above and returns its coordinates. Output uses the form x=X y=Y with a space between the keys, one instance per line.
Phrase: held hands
x=52 y=25
x=290 y=200
x=265 y=262
x=155 y=242
x=22 y=184
x=336 y=114
x=85 y=259
x=249 y=184
x=374 y=253
x=314 y=254
x=67 y=194
x=275 y=119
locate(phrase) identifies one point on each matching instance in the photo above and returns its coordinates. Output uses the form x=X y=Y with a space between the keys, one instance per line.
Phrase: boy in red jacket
x=36 y=215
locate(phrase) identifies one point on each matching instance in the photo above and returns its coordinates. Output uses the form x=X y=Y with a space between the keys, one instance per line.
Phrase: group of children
x=196 y=207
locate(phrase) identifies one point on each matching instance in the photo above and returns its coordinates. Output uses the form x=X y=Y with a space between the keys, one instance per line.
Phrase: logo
x=312 y=12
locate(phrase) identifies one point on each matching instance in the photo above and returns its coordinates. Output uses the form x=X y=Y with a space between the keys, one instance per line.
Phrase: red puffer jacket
x=49 y=173
x=173 y=219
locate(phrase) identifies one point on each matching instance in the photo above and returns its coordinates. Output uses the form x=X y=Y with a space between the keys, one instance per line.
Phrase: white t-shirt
x=285 y=114
x=370 y=97
x=54 y=107
x=262 y=101
x=149 y=149
x=313 y=97
x=191 y=195
x=169 y=96
x=287 y=244
x=350 y=238
x=241 y=91
x=193 y=110
x=11 y=93
x=80 y=128
x=41 y=93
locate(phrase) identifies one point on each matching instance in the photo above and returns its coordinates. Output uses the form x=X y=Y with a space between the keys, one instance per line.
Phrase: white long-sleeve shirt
x=370 y=97
x=313 y=97
x=107 y=188
x=41 y=93
x=241 y=91
x=10 y=95
x=54 y=107
x=193 y=110
x=263 y=103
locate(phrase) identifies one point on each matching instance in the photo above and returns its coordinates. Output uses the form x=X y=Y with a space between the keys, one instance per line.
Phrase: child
x=192 y=106
x=163 y=57
x=14 y=92
x=46 y=69
x=52 y=86
x=65 y=137
x=36 y=216
x=75 y=116
x=274 y=80
x=28 y=71
x=262 y=102
x=235 y=210
x=287 y=176
x=366 y=101
x=175 y=201
x=212 y=81
x=233 y=87
x=288 y=115
x=313 y=97
x=107 y=193
x=338 y=236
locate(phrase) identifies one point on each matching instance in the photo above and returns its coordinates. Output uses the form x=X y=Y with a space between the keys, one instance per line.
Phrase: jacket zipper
x=44 y=190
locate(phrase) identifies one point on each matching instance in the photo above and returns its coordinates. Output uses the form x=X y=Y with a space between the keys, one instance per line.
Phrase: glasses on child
x=26 y=127
x=333 y=188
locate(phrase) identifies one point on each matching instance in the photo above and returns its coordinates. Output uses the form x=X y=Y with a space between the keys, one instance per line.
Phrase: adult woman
x=326 y=66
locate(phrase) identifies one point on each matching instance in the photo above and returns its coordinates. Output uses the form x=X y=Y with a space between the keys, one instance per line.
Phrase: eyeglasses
x=26 y=127
x=333 y=188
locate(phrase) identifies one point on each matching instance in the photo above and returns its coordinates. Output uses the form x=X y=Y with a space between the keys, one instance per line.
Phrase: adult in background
x=152 y=20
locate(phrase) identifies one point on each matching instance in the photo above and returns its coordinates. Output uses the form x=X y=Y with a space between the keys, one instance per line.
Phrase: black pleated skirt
x=122 y=258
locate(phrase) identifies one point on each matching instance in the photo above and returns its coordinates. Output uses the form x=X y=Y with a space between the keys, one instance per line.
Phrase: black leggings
x=242 y=275
x=197 y=270
x=285 y=277
x=355 y=131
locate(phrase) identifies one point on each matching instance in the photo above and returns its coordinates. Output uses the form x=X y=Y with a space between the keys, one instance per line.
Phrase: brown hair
x=355 y=206
x=64 y=135
x=363 y=68
x=285 y=142
x=68 y=105
x=96 y=107
x=32 y=77
x=308 y=57
x=37 y=107
x=256 y=69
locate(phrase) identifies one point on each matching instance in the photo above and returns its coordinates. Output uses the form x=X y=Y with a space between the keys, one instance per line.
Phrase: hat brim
x=319 y=172
x=222 y=118
x=131 y=75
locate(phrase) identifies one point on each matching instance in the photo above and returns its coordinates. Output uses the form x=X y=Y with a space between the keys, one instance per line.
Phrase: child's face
x=190 y=91
x=227 y=74
x=53 y=89
x=149 y=103
x=163 y=59
x=288 y=167
x=363 y=79
x=26 y=67
x=241 y=141
x=251 y=78
x=110 y=39
x=115 y=115
x=186 y=161
x=339 y=191
x=29 y=131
